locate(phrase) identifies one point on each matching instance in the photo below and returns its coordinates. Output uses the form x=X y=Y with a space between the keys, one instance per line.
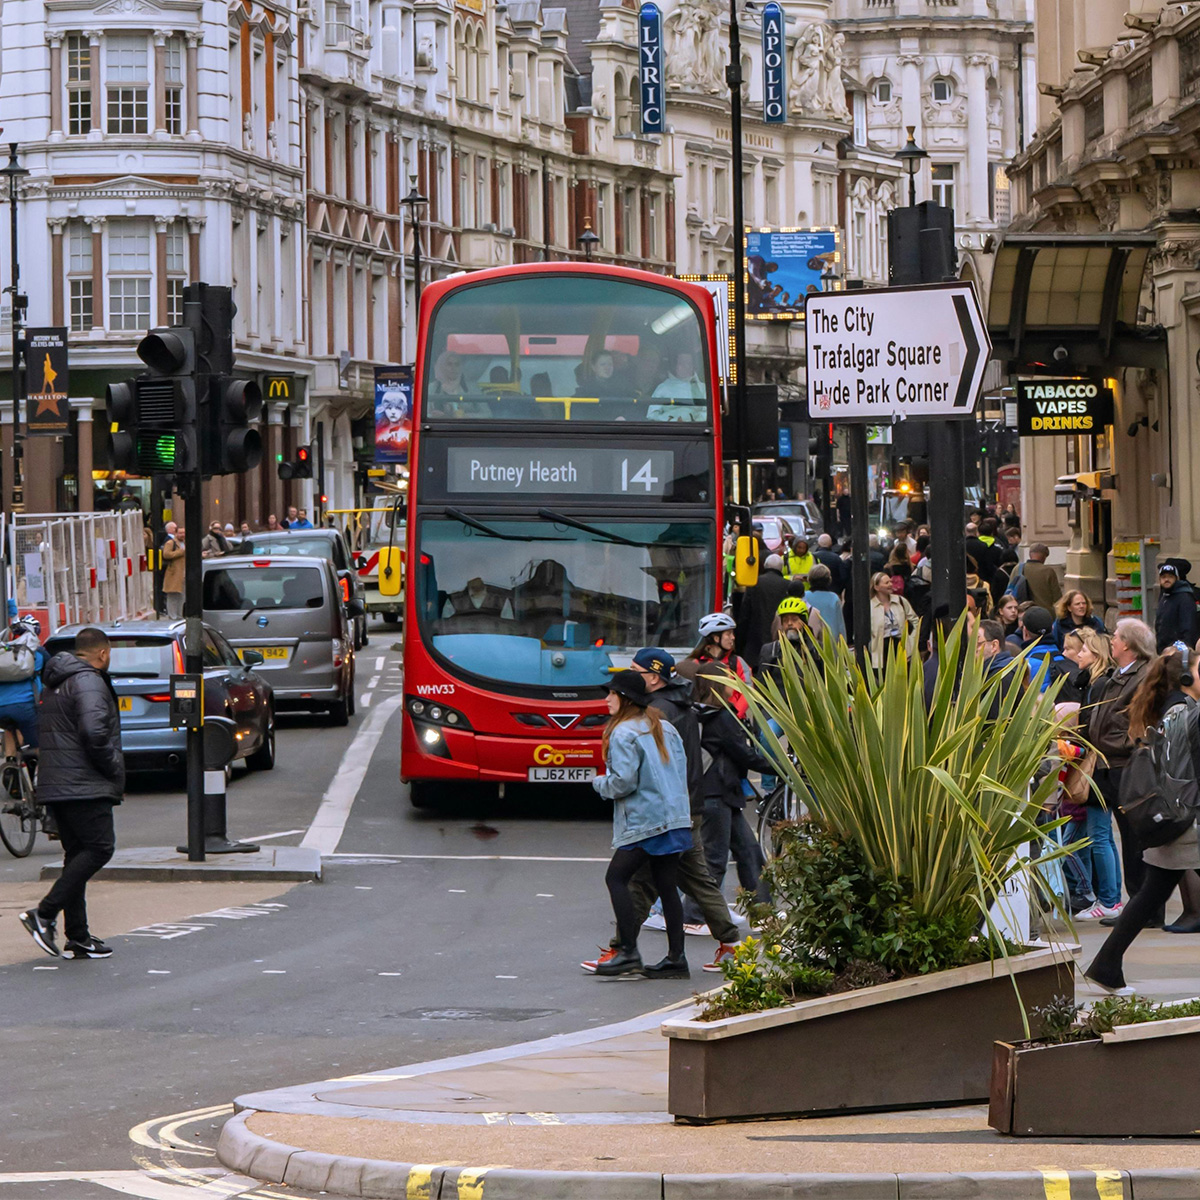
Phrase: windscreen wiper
x=472 y=523
x=608 y=535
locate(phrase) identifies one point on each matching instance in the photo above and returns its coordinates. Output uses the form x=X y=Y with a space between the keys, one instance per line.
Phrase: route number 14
x=641 y=476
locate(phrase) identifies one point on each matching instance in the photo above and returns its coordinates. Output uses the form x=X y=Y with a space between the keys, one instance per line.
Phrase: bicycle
x=783 y=806
x=21 y=816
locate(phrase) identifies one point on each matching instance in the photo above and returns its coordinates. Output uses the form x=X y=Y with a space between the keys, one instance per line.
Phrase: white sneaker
x=697 y=930
x=1097 y=911
x=655 y=921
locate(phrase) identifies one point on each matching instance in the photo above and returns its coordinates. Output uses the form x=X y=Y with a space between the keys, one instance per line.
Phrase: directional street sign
x=893 y=354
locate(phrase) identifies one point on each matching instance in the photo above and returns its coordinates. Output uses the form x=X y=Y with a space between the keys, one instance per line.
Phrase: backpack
x=18 y=659
x=1161 y=797
x=1015 y=580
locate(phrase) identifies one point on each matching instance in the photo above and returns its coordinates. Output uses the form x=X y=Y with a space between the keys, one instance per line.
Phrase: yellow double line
x=1057 y=1184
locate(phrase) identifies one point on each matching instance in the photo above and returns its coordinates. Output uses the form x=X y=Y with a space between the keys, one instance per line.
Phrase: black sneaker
x=41 y=931
x=627 y=961
x=668 y=968
x=93 y=947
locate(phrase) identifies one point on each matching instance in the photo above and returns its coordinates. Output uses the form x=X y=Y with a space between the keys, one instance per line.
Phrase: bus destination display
x=583 y=470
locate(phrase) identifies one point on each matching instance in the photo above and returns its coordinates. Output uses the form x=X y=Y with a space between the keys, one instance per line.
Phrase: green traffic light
x=158 y=452
x=279 y=458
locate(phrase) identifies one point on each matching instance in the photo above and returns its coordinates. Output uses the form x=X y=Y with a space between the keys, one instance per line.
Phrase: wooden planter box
x=908 y=1044
x=1139 y=1080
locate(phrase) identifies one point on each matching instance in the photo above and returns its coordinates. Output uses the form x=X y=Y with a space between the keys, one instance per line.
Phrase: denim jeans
x=1078 y=866
x=1106 y=864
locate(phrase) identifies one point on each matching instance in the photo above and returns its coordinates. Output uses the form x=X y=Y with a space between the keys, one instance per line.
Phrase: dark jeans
x=727 y=829
x=695 y=881
x=664 y=870
x=1158 y=883
x=25 y=714
x=85 y=828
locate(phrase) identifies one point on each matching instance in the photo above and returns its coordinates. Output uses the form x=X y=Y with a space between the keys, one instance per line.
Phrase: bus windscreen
x=566 y=348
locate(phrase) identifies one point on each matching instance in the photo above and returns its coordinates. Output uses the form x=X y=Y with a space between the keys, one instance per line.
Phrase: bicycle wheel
x=772 y=812
x=18 y=816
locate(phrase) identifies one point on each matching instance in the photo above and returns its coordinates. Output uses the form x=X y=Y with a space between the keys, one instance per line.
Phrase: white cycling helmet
x=30 y=624
x=715 y=623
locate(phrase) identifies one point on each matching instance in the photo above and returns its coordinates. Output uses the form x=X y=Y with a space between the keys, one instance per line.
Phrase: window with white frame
x=502 y=217
x=481 y=191
x=79 y=276
x=943 y=184
x=130 y=274
x=127 y=79
x=861 y=266
x=824 y=199
x=173 y=86
x=882 y=91
x=79 y=84
x=771 y=197
x=176 y=271
x=465 y=195
x=943 y=90
x=859 y=100
x=653 y=227
x=629 y=221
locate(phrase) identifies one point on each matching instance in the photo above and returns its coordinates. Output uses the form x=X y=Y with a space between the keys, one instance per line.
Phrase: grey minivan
x=290 y=611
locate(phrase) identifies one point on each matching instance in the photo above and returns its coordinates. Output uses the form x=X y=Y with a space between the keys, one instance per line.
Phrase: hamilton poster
x=47 y=411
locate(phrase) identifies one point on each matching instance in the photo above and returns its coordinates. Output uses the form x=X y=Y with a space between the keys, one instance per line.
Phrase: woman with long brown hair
x=1159 y=698
x=646 y=778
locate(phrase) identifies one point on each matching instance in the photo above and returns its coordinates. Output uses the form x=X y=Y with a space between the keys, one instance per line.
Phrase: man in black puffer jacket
x=1175 y=620
x=671 y=694
x=81 y=775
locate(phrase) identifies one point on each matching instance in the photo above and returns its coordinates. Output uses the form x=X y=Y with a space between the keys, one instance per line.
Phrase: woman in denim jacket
x=646 y=778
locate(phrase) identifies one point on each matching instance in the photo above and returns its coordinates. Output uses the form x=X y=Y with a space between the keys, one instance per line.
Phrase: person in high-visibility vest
x=798 y=561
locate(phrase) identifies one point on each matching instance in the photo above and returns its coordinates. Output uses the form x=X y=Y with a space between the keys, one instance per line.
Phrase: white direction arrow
x=895 y=353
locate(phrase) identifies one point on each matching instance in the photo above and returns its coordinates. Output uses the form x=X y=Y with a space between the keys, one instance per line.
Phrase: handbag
x=1077 y=784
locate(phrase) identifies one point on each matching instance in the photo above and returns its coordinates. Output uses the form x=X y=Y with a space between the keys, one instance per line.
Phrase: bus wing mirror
x=391 y=575
x=745 y=562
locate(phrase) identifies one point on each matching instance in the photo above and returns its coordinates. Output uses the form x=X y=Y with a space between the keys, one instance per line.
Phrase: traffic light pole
x=193 y=517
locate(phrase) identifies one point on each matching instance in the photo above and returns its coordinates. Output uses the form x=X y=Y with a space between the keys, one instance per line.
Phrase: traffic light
x=299 y=467
x=153 y=418
x=235 y=445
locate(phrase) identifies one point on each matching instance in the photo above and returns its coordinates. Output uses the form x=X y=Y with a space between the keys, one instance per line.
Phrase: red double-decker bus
x=564 y=501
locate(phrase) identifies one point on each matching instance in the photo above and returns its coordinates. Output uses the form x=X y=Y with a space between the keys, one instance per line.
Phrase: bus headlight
x=435 y=714
x=416 y=707
x=431 y=736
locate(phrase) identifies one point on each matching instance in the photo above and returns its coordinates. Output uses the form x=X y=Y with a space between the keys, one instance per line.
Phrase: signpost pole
x=733 y=77
x=193 y=517
x=860 y=570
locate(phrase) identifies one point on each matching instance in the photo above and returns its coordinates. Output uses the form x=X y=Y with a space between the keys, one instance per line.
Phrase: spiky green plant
x=937 y=798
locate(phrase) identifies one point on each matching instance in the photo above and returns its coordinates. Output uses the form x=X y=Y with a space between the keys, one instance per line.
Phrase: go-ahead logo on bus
x=554 y=756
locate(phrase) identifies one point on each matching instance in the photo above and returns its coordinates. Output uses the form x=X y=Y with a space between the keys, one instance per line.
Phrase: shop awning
x=1078 y=292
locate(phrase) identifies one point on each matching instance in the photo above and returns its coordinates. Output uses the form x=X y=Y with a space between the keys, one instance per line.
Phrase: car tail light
x=178 y=659
x=261 y=562
x=345 y=591
x=159 y=698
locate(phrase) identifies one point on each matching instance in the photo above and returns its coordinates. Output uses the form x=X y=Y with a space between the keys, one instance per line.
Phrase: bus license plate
x=561 y=774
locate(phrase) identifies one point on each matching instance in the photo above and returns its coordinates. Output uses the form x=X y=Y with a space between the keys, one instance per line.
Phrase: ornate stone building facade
x=1114 y=163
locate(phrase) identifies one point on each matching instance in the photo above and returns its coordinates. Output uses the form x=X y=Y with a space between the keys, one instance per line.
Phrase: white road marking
x=380 y=662
x=364 y=700
x=374 y=682
x=45 y=968
x=389 y=974
x=326 y=829
x=141 y=1184
x=274 y=972
x=457 y=891
x=545 y=895
x=506 y=976
x=270 y=837
x=468 y=857
x=158 y=972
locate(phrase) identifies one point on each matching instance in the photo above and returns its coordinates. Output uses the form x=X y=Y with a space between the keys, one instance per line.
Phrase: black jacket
x=837 y=568
x=1175 y=620
x=80 y=734
x=986 y=557
x=676 y=703
x=730 y=752
x=758 y=613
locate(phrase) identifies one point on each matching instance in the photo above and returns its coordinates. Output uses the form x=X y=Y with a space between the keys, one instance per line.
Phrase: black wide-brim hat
x=631 y=686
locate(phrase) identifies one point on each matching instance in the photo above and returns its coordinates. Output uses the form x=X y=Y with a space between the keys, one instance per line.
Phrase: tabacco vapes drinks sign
x=774 y=64
x=650 y=51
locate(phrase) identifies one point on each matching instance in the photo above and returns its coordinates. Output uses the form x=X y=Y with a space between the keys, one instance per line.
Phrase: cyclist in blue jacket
x=19 y=697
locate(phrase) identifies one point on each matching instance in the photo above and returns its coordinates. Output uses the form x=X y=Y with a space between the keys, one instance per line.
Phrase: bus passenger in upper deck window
x=682 y=382
x=448 y=375
x=598 y=377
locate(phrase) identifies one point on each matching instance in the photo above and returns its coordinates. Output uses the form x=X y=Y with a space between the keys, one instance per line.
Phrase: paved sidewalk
x=583 y=1115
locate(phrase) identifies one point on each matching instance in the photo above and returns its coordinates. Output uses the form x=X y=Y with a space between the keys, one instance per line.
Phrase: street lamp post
x=13 y=173
x=911 y=157
x=414 y=202
x=588 y=239
x=733 y=79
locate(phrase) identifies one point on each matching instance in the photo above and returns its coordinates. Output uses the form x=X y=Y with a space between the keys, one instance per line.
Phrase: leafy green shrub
x=1065 y=1021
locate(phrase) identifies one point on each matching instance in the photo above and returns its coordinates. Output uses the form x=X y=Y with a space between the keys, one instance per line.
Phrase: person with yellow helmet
x=795 y=619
